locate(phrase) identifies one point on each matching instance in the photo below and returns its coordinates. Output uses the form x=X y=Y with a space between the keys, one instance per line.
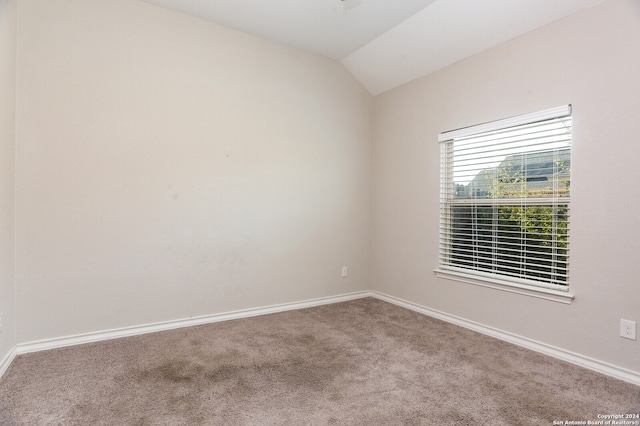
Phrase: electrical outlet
x=344 y=271
x=628 y=329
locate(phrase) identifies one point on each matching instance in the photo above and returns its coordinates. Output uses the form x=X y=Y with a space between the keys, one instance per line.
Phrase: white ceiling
x=384 y=43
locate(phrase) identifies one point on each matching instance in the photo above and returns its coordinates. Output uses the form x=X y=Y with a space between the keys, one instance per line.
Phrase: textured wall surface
x=7 y=141
x=168 y=167
x=588 y=60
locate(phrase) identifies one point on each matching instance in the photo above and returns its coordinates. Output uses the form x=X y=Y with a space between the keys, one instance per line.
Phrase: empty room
x=323 y=212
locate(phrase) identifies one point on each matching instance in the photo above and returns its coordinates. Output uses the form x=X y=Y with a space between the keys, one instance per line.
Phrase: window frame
x=554 y=292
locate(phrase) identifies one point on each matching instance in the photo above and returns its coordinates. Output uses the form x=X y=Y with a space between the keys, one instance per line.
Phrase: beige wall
x=168 y=168
x=590 y=60
x=7 y=140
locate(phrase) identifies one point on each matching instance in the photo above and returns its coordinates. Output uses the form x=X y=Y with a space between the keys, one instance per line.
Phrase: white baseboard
x=6 y=362
x=60 y=342
x=574 y=358
x=555 y=352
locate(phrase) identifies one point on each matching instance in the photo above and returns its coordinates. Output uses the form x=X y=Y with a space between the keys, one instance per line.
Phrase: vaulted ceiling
x=384 y=43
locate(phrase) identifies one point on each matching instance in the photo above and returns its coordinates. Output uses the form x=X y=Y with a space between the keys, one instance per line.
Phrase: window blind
x=504 y=197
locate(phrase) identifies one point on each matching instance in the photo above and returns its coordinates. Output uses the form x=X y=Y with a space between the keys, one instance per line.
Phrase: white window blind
x=505 y=192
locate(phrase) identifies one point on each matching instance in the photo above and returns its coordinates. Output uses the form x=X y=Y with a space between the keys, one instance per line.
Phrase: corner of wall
x=8 y=75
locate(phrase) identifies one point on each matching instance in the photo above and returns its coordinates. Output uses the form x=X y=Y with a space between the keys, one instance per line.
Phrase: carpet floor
x=362 y=362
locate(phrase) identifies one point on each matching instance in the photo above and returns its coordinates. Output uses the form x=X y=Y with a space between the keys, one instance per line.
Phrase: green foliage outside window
x=510 y=237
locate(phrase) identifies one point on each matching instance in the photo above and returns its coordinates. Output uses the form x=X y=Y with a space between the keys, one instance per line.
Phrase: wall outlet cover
x=628 y=329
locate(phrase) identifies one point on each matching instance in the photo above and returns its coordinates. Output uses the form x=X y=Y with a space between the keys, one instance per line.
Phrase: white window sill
x=506 y=285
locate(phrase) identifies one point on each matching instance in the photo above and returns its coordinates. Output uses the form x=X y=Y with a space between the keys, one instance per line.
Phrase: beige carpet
x=364 y=362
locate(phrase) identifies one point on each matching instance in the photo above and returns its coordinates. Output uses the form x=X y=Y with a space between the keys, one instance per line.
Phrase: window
x=504 y=201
